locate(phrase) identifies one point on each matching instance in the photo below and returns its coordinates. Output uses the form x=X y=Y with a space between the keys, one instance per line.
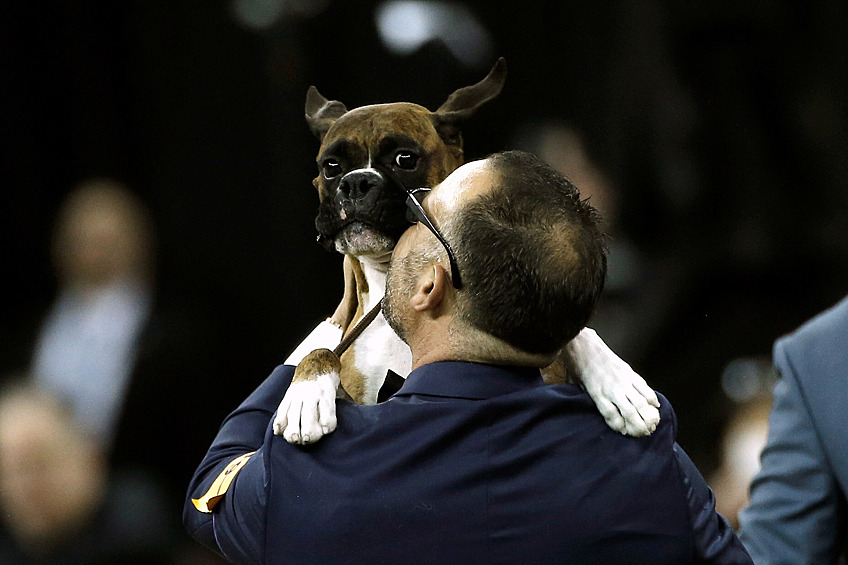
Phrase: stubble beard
x=397 y=294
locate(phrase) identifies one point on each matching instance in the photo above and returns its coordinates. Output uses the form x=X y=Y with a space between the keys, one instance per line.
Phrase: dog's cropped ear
x=462 y=104
x=321 y=113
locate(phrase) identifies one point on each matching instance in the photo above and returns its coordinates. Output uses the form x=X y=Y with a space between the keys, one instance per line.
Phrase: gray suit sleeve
x=792 y=515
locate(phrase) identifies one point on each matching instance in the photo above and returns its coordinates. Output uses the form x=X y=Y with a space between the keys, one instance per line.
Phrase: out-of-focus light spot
x=745 y=379
x=257 y=14
x=262 y=15
x=405 y=25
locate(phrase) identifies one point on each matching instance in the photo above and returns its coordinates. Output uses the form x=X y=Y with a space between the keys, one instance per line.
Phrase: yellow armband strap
x=220 y=485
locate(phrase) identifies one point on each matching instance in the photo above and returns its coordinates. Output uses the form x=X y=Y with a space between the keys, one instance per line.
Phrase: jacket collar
x=476 y=381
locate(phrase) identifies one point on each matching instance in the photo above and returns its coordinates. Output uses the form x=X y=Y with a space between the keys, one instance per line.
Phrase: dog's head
x=370 y=156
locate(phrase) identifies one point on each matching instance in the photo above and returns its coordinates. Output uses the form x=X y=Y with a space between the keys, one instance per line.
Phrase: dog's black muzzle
x=356 y=185
x=369 y=196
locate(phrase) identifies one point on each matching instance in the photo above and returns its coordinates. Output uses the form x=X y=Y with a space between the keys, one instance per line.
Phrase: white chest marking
x=378 y=348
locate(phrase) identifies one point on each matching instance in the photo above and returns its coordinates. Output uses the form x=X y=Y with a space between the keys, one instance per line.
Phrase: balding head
x=531 y=254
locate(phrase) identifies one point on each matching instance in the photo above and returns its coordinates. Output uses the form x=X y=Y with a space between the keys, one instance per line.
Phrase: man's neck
x=440 y=340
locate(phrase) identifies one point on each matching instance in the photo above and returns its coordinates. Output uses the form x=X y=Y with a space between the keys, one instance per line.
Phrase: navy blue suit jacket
x=467 y=463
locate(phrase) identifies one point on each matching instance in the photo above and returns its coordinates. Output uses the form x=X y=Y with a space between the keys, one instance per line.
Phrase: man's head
x=52 y=474
x=103 y=234
x=530 y=253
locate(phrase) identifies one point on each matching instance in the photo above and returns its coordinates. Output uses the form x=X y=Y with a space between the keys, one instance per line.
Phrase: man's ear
x=430 y=289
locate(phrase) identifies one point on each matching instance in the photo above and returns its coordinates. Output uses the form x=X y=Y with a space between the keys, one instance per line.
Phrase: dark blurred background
x=714 y=135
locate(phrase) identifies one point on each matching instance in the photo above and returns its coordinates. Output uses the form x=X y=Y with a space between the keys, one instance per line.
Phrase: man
x=112 y=347
x=474 y=460
x=60 y=502
x=796 y=514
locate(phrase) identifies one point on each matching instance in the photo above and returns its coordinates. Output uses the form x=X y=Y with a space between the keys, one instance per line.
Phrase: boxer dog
x=369 y=157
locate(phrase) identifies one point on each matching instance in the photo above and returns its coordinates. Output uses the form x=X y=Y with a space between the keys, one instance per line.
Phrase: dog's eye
x=406 y=160
x=331 y=168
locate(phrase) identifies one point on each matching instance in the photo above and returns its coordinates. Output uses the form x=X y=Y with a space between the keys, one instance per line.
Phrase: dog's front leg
x=346 y=310
x=625 y=400
x=308 y=410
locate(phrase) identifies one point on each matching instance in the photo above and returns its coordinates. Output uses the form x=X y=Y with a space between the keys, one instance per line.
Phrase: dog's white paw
x=625 y=400
x=308 y=410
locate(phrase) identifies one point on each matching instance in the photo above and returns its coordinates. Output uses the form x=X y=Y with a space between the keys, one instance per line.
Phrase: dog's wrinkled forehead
x=368 y=126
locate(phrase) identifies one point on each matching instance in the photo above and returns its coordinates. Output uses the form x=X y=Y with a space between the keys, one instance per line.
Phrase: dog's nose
x=356 y=184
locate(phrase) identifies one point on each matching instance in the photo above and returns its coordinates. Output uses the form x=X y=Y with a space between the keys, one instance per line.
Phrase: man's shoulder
x=570 y=408
x=828 y=322
x=819 y=341
x=578 y=397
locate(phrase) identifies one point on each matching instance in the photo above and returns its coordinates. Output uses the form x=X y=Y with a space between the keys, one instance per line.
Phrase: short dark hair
x=532 y=255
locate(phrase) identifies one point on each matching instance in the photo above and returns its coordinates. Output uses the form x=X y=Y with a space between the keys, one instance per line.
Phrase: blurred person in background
x=59 y=503
x=117 y=353
x=630 y=312
x=87 y=346
x=797 y=512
